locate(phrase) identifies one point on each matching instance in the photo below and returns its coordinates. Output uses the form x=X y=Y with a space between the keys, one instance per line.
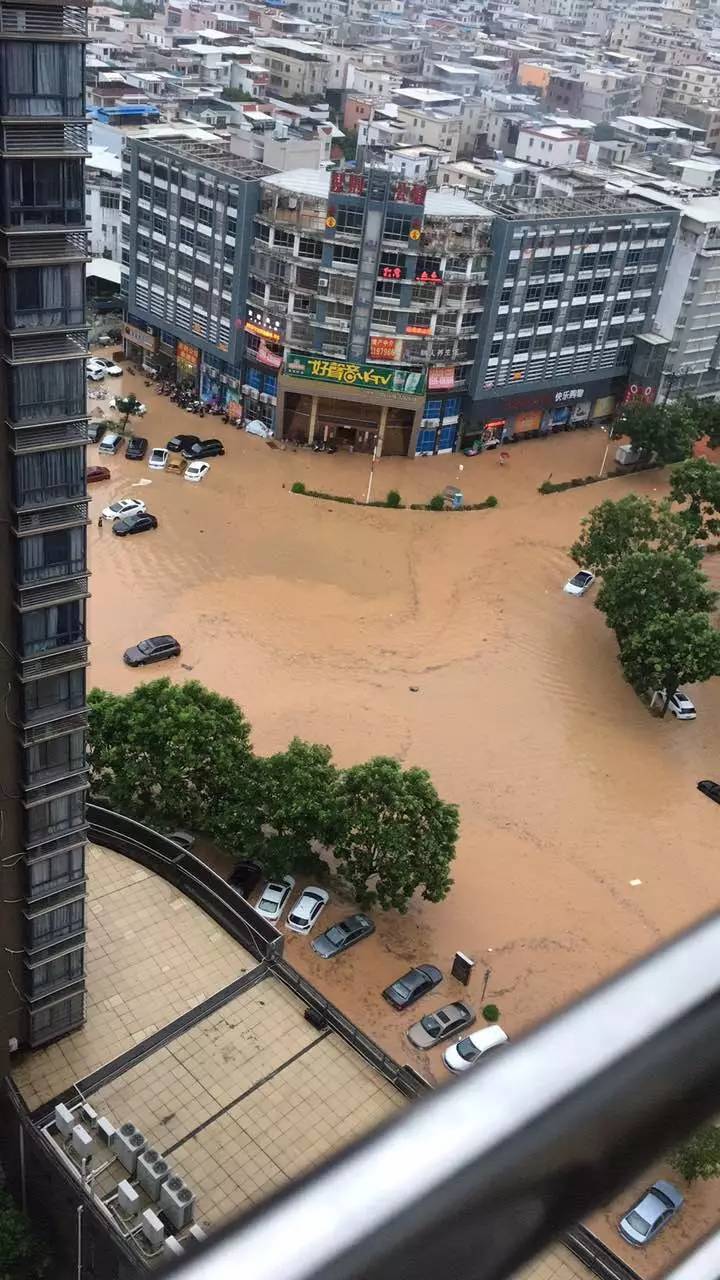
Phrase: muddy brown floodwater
x=317 y=618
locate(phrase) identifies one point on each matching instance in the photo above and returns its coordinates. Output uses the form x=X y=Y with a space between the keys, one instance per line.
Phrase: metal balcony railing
x=477 y=1178
x=60 y=721
x=53 y=436
x=67 y=516
x=61 y=592
x=26 y=249
x=44 y=138
x=61 y=22
x=54 y=345
x=66 y=658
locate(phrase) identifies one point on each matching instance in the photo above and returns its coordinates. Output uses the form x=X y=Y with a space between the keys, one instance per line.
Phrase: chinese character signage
x=440 y=379
x=409 y=192
x=187 y=358
x=261 y=331
x=637 y=391
x=266 y=356
x=576 y=393
x=428 y=277
x=366 y=377
x=419 y=330
x=391 y=273
x=344 y=183
x=382 y=348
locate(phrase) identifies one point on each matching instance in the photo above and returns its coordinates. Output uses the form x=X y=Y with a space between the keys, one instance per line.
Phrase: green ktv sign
x=365 y=377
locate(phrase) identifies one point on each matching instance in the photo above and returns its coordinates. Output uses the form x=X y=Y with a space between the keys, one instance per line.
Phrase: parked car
x=156 y=649
x=413 y=984
x=93 y=372
x=245 y=876
x=136 y=448
x=110 y=443
x=307 y=909
x=273 y=898
x=440 y=1025
x=342 y=935
x=107 y=366
x=471 y=1049
x=158 y=459
x=179 y=444
x=123 y=507
x=96 y=429
x=204 y=449
x=196 y=471
x=138 y=523
x=652 y=1212
x=679 y=705
x=579 y=583
x=710 y=789
x=97 y=473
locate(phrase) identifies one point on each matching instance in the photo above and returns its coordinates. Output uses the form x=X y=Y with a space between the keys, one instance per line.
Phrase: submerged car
x=273 y=898
x=179 y=443
x=579 y=583
x=97 y=473
x=307 y=909
x=471 y=1049
x=342 y=935
x=122 y=508
x=413 y=984
x=196 y=471
x=652 y=1212
x=245 y=876
x=96 y=429
x=204 y=449
x=710 y=789
x=136 y=448
x=107 y=366
x=156 y=649
x=440 y=1025
x=679 y=705
x=158 y=459
x=138 y=523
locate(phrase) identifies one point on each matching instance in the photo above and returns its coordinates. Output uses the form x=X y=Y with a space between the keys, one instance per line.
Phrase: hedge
x=548 y=486
x=299 y=487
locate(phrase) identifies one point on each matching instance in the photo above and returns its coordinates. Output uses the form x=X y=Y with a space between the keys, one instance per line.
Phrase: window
x=110 y=200
x=55 y=757
x=452 y=407
x=495 y=348
x=633 y=257
x=53 y=817
x=534 y=293
x=582 y=288
x=350 y=219
x=53 y=696
x=552 y=291
x=522 y=344
x=43 y=630
x=50 y=1021
x=397 y=228
x=593 y=311
x=187 y=208
x=587 y=262
x=433 y=408
x=43 y=478
x=547 y=317
x=44 y=390
x=159 y=223
x=506 y=294
x=42 y=79
x=605 y=259
x=284 y=239
x=57 y=972
x=43 y=556
x=620 y=308
x=310 y=248
x=44 y=191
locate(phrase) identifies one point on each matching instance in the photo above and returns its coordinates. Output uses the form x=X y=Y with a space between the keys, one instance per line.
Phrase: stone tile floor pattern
x=151 y=955
x=556 y=1263
x=248 y=1099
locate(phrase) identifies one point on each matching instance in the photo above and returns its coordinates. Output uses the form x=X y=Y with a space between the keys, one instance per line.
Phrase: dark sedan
x=710 y=789
x=156 y=649
x=342 y=935
x=96 y=430
x=204 y=449
x=138 y=523
x=245 y=876
x=136 y=448
x=179 y=444
x=97 y=473
x=414 y=984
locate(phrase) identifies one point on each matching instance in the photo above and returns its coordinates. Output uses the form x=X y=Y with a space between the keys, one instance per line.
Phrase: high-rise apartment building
x=43 y=512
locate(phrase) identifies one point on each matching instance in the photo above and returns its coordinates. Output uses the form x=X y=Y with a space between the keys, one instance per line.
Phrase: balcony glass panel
x=47 y=391
x=42 y=79
x=53 y=628
x=45 y=1024
x=56 y=973
x=60 y=553
x=49 y=477
x=52 y=817
x=53 y=696
x=49 y=875
x=54 y=758
x=45 y=296
x=44 y=193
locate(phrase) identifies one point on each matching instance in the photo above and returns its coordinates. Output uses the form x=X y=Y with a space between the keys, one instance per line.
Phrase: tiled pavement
x=151 y=956
x=248 y=1099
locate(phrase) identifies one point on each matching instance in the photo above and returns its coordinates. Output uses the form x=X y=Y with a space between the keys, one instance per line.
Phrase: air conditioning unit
x=253 y=393
x=173 y=1248
x=292 y=202
x=323 y=282
x=197 y=1233
x=246 y=388
x=152 y=1228
x=64 y=1120
x=152 y=1171
x=264 y=397
x=81 y=1142
x=177 y=1201
x=128 y=1199
x=128 y=1144
x=89 y=1115
x=106 y=1130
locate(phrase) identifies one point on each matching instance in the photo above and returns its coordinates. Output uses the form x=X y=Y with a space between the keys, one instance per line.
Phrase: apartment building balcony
x=56 y=435
x=66 y=657
x=301 y=218
x=26 y=248
x=44 y=137
x=46 y=22
x=69 y=515
x=23 y=346
x=59 y=723
x=76 y=586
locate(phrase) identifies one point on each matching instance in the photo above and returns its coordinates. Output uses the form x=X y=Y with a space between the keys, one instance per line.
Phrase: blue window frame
x=446 y=438
x=426 y=441
x=254 y=378
x=270 y=387
x=433 y=408
x=452 y=407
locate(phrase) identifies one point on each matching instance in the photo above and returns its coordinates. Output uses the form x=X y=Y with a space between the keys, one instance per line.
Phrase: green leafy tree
x=395 y=834
x=666 y=432
x=697 y=483
x=295 y=809
x=706 y=414
x=671 y=650
x=614 y=529
x=647 y=584
x=171 y=754
x=128 y=407
x=21 y=1255
x=236 y=95
x=699 y=1156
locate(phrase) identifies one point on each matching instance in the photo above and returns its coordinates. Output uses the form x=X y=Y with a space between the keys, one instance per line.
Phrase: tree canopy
x=670 y=650
x=699 y=1155
x=21 y=1255
x=696 y=482
x=614 y=529
x=395 y=834
x=128 y=407
x=646 y=584
x=666 y=432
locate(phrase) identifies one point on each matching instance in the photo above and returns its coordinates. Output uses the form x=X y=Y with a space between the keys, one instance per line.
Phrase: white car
x=196 y=471
x=139 y=412
x=158 y=459
x=273 y=898
x=466 y=1052
x=257 y=428
x=307 y=909
x=94 y=373
x=579 y=583
x=679 y=705
x=107 y=366
x=123 y=507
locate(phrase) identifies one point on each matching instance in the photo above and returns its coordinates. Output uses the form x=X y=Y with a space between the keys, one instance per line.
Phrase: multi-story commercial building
x=575 y=280
x=43 y=510
x=102 y=203
x=364 y=300
x=185 y=254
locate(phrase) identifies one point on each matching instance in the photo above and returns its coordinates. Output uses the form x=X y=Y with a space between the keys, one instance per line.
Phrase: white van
x=110 y=442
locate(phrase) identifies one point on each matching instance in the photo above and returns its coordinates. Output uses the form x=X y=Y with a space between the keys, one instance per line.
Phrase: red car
x=97 y=473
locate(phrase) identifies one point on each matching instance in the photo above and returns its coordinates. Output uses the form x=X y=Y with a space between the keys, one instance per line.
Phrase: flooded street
x=317 y=618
